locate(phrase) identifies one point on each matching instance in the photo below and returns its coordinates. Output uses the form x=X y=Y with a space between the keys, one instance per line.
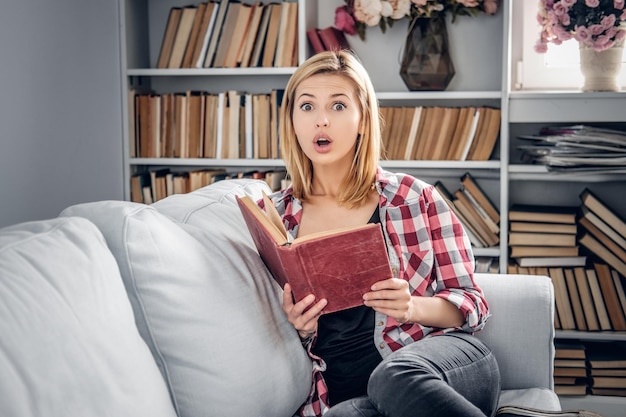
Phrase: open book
x=339 y=265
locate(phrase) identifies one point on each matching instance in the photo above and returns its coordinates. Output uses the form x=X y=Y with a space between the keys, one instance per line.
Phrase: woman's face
x=327 y=119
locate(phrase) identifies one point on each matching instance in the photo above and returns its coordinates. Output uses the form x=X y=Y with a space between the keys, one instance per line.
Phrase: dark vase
x=426 y=61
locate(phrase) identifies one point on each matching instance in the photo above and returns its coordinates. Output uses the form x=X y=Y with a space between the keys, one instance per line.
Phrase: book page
x=274 y=217
x=253 y=212
x=332 y=232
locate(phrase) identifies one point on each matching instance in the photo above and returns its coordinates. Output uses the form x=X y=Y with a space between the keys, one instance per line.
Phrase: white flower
x=397 y=9
x=383 y=13
x=368 y=11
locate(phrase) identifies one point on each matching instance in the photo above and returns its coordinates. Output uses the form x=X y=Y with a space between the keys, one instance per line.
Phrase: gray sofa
x=122 y=309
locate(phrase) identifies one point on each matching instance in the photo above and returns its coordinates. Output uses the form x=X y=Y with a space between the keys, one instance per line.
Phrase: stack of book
x=543 y=236
x=590 y=367
x=440 y=133
x=607 y=368
x=230 y=34
x=603 y=232
x=578 y=148
x=476 y=211
x=570 y=368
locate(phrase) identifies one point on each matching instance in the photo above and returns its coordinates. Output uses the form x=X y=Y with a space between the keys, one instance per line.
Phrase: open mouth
x=321 y=140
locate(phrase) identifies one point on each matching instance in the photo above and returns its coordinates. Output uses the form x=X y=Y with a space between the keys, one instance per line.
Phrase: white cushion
x=538 y=398
x=69 y=345
x=205 y=303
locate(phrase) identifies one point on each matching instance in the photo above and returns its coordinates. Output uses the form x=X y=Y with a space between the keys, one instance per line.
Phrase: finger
x=402 y=304
x=316 y=310
x=302 y=305
x=393 y=295
x=385 y=304
x=287 y=298
x=304 y=310
x=391 y=284
x=307 y=321
x=307 y=310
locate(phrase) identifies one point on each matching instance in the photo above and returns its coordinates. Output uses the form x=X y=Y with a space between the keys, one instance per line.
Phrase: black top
x=345 y=341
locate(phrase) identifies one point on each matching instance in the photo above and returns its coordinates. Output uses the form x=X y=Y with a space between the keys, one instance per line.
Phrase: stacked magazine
x=577 y=148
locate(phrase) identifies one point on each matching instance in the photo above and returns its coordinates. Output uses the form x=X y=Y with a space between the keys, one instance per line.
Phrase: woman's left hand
x=391 y=297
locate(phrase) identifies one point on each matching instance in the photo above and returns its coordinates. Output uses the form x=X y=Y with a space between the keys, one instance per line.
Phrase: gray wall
x=60 y=106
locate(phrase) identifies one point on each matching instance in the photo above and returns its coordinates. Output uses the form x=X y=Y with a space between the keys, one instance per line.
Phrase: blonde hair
x=362 y=174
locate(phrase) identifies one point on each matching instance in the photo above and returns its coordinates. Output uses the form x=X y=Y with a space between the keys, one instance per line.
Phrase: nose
x=321 y=120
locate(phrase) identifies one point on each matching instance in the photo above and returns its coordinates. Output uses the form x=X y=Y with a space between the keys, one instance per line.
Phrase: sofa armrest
x=521 y=329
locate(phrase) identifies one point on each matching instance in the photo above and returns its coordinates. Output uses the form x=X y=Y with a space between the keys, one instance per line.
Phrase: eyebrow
x=336 y=95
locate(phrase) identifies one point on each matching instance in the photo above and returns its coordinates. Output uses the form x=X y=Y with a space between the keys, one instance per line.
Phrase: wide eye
x=339 y=106
x=306 y=107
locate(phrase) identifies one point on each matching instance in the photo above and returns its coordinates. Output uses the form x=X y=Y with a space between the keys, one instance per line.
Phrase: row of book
x=230 y=34
x=234 y=124
x=476 y=211
x=440 y=133
x=198 y=124
x=588 y=298
x=576 y=149
x=590 y=368
x=153 y=185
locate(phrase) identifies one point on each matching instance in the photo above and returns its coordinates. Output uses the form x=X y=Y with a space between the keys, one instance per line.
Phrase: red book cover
x=333 y=39
x=315 y=40
x=339 y=265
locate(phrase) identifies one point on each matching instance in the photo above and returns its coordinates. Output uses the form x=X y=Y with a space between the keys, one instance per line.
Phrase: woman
x=408 y=350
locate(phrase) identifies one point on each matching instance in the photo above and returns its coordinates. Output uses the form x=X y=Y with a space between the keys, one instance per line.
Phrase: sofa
x=123 y=309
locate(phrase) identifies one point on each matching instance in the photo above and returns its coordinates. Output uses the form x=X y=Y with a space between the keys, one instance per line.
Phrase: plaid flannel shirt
x=427 y=246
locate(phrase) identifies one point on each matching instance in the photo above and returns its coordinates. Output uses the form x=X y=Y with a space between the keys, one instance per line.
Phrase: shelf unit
x=143 y=22
x=484 y=77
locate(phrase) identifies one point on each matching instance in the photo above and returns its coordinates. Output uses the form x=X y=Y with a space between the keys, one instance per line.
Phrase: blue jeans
x=449 y=375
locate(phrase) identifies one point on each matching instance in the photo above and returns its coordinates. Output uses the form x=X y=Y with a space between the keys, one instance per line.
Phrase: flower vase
x=601 y=69
x=426 y=62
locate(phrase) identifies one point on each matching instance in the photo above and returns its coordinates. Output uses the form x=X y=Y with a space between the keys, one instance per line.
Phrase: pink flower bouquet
x=594 y=23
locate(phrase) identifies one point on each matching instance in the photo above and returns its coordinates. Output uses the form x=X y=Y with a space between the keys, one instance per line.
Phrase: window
x=558 y=69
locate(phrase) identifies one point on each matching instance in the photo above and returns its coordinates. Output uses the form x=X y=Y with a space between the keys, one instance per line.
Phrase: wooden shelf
x=518 y=172
x=204 y=72
x=590 y=336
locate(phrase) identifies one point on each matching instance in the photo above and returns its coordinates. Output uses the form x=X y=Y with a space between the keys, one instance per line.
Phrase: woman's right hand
x=305 y=322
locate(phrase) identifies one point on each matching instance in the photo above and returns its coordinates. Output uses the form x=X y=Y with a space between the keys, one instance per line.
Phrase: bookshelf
x=504 y=177
x=142 y=28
